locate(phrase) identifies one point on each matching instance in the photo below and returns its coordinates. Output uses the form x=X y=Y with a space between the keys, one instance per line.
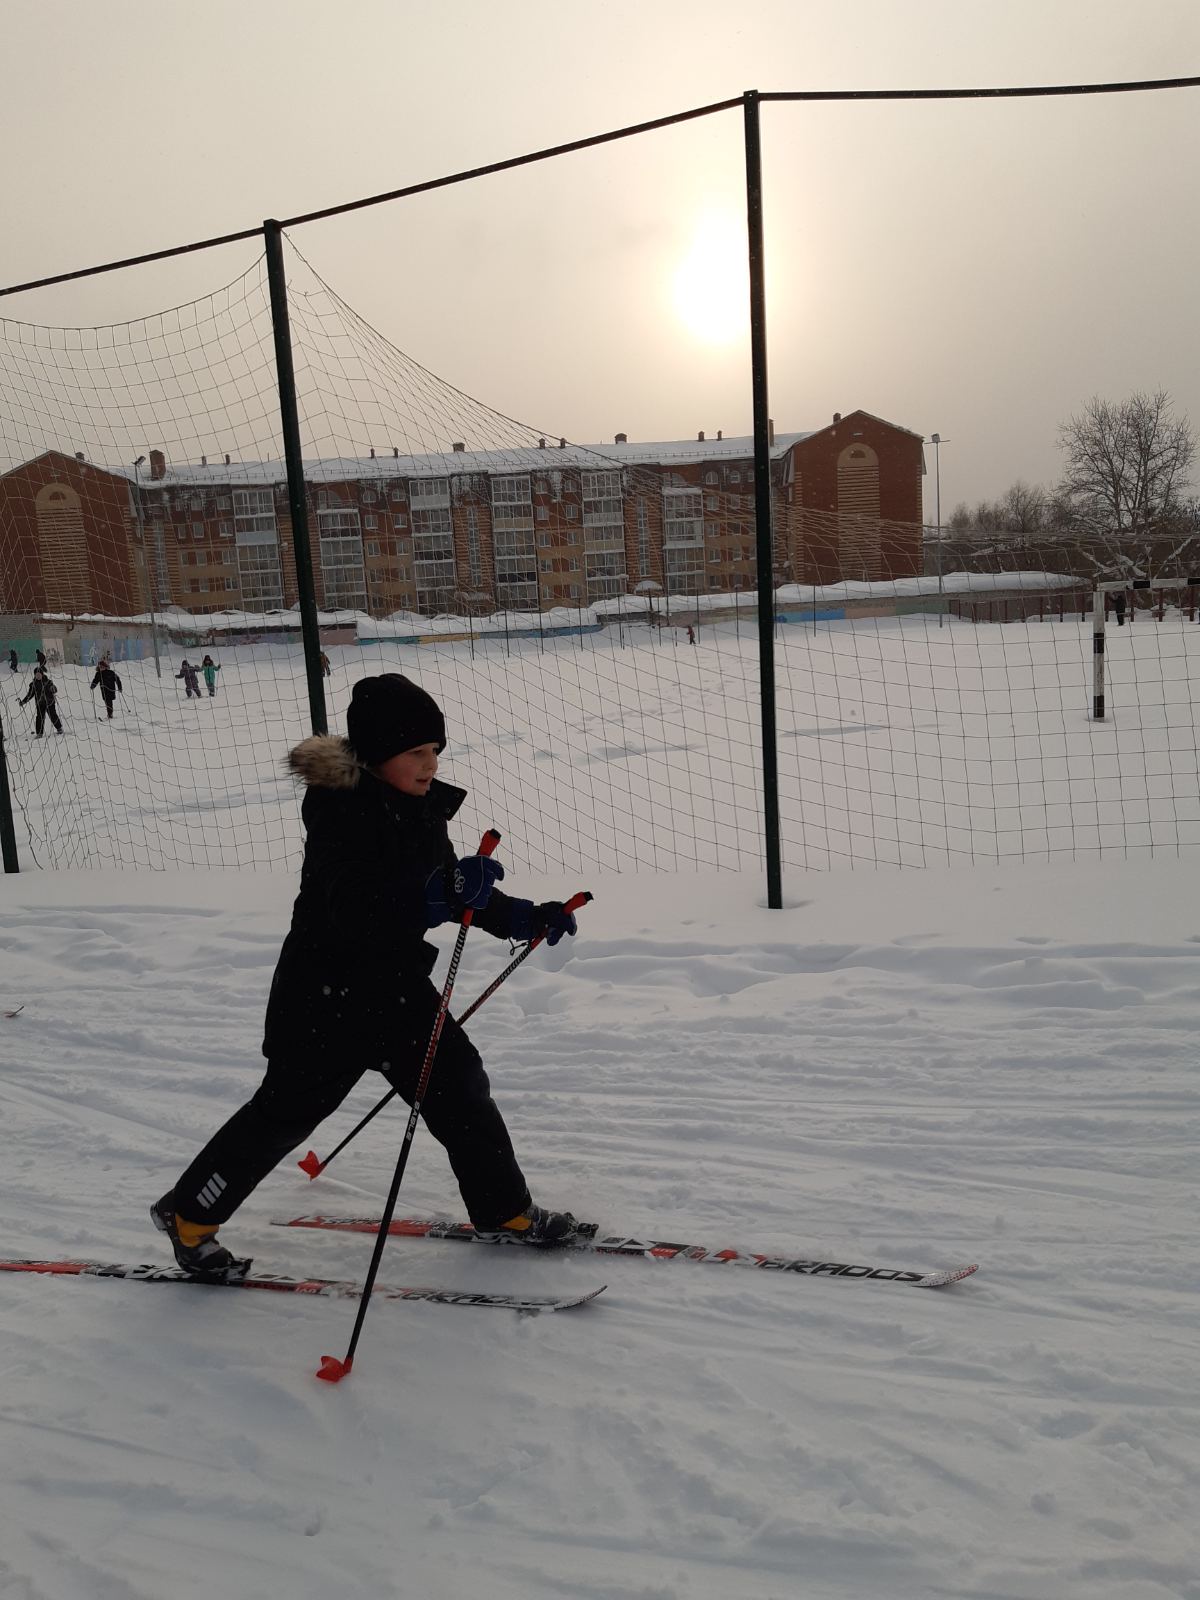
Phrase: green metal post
x=293 y=456
x=762 y=498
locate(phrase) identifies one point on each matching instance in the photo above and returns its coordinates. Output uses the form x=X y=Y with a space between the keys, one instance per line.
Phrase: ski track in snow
x=984 y=1065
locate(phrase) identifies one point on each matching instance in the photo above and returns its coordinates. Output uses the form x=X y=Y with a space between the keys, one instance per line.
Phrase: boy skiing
x=191 y=682
x=352 y=988
x=210 y=669
x=109 y=684
x=43 y=694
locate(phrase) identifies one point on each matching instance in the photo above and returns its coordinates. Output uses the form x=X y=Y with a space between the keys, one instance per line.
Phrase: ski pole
x=331 y=1369
x=312 y=1163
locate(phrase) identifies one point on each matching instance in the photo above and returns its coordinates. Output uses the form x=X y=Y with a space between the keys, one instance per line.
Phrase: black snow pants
x=297 y=1094
x=40 y=713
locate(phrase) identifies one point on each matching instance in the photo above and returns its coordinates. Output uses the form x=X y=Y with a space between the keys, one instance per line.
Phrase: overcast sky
x=974 y=269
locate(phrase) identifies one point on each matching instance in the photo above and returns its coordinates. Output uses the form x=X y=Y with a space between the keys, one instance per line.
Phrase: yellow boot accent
x=518 y=1224
x=191 y=1233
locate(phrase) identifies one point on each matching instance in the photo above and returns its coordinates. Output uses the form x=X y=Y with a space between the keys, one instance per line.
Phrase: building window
x=197 y=530
x=543 y=513
x=474 y=552
x=225 y=529
x=369 y=497
x=370 y=520
x=429 y=492
x=195 y=503
x=711 y=478
x=735 y=475
x=254 y=516
x=371 y=547
x=572 y=513
x=397 y=497
x=230 y=585
x=710 y=502
x=399 y=522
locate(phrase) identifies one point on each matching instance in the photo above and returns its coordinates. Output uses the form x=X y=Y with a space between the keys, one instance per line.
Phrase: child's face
x=412 y=771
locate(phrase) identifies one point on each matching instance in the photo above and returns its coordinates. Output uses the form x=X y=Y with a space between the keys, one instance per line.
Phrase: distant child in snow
x=210 y=669
x=43 y=694
x=12 y=660
x=108 y=683
x=191 y=682
x=326 y=669
x=352 y=989
x=41 y=659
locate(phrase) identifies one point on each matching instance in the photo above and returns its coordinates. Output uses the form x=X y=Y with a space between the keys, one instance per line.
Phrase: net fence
x=586 y=616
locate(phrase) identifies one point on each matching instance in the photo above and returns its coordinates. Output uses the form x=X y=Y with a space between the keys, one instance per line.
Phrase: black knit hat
x=391 y=713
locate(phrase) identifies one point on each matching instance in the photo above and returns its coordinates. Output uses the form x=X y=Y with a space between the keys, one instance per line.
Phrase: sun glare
x=711 y=285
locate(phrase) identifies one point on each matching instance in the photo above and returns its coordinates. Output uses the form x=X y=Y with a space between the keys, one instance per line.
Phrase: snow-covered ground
x=916 y=1069
x=993 y=1064
x=899 y=743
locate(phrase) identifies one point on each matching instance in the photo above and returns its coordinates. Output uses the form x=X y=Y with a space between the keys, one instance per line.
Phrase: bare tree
x=1127 y=464
x=1023 y=508
x=960 y=518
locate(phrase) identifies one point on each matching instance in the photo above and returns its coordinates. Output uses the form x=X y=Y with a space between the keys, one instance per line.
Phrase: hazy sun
x=711 y=286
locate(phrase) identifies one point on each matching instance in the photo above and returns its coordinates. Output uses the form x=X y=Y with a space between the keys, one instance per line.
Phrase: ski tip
x=937 y=1280
x=333 y=1370
x=582 y=1299
x=312 y=1164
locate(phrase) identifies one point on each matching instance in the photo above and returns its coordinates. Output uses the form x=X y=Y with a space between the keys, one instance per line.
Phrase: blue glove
x=468 y=884
x=551 y=919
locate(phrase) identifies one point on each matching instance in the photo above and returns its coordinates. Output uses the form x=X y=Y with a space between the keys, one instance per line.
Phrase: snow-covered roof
x=176 y=617
x=450 y=463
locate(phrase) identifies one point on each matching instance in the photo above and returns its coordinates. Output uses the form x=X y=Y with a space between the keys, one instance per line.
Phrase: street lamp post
x=937 y=442
x=150 y=579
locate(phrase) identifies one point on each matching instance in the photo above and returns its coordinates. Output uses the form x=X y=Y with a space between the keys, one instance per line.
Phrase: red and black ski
x=589 y=1238
x=310 y=1286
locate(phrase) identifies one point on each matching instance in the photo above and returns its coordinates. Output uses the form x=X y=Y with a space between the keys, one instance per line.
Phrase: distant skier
x=691 y=634
x=43 y=694
x=352 y=992
x=109 y=684
x=210 y=669
x=191 y=681
x=41 y=659
x=1118 y=601
x=326 y=669
x=12 y=661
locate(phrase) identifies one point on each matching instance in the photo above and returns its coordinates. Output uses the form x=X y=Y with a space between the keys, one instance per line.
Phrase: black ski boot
x=206 y=1259
x=542 y=1229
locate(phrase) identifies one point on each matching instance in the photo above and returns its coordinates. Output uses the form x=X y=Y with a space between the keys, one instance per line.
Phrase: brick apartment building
x=553 y=525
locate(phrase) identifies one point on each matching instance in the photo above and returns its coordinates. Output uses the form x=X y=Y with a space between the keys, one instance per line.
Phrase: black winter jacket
x=43 y=694
x=107 y=681
x=356 y=953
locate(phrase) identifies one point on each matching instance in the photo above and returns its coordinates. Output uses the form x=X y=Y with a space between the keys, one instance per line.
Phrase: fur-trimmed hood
x=325 y=762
